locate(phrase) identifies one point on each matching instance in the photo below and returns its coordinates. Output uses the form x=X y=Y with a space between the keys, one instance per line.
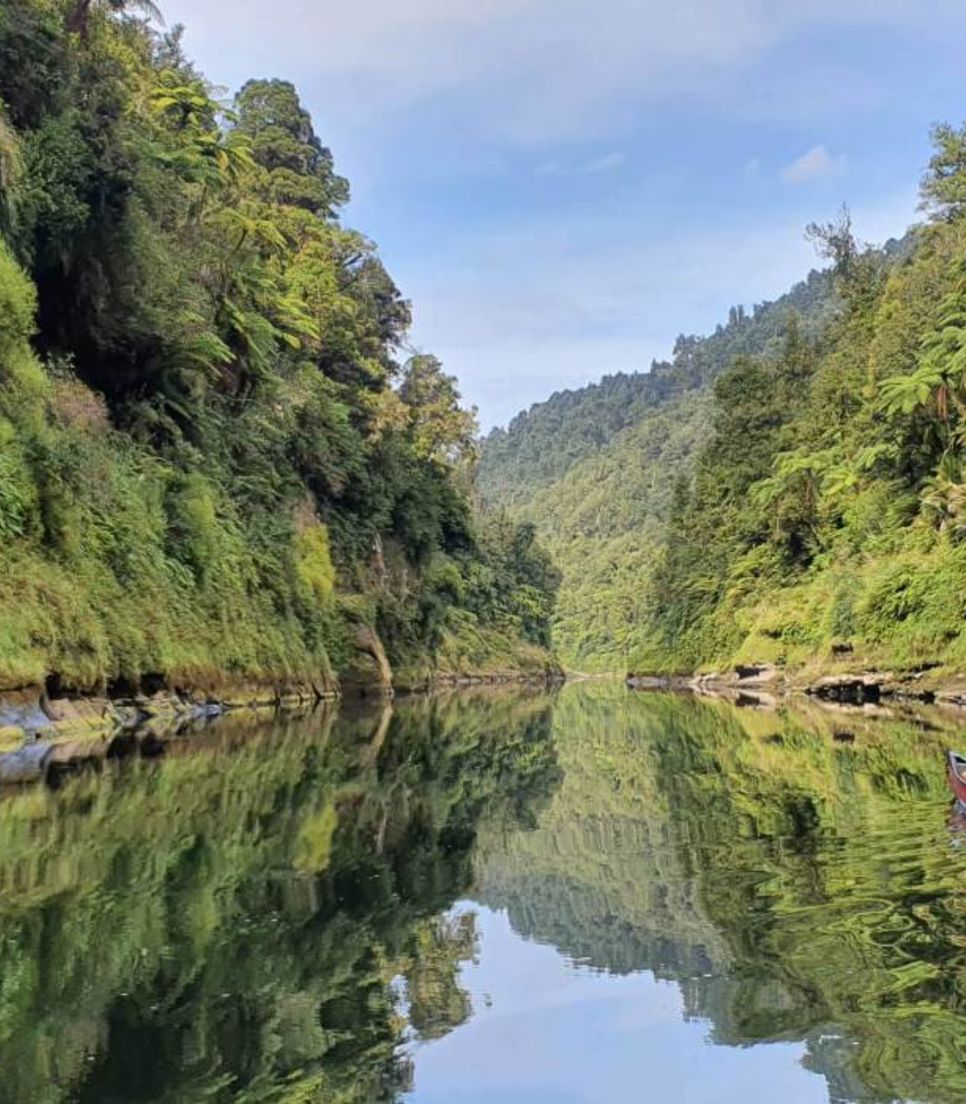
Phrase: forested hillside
x=595 y=470
x=542 y=444
x=824 y=516
x=800 y=501
x=213 y=462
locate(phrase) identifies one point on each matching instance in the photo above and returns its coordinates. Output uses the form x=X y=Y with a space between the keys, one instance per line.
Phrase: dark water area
x=585 y=896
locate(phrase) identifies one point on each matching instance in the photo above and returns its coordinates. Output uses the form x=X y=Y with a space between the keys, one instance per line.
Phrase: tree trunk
x=78 y=18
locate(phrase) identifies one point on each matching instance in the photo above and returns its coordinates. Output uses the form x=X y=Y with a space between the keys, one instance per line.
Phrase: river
x=578 y=897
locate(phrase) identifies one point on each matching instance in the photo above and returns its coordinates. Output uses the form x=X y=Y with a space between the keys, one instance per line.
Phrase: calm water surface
x=591 y=896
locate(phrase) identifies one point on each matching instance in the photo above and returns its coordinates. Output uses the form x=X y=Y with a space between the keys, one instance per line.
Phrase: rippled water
x=590 y=896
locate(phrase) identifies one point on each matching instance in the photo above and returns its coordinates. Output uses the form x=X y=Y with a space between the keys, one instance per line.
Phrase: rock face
x=756 y=674
x=854 y=689
x=35 y=713
x=72 y=724
x=27 y=764
x=67 y=715
x=766 y=684
x=21 y=714
x=368 y=670
x=659 y=682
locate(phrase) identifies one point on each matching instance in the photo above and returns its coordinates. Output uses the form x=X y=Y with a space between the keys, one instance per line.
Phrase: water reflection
x=226 y=924
x=266 y=912
x=795 y=885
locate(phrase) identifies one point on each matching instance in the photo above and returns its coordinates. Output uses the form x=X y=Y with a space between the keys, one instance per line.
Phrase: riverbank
x=31 y=713
x=843 y=683
x=43 y=737
x=51 y=711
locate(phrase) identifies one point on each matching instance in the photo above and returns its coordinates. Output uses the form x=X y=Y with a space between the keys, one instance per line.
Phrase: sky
x=544 y=1031
x=561 y=187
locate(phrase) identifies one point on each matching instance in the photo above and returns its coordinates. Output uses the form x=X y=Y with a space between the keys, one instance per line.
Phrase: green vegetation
x=212 y=462
x=798 y=499
x=795 y=872
x=226 y=924
x=823 y=513
x=596 y=470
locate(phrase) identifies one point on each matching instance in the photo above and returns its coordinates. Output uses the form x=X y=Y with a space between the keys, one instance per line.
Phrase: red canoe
x=957 y=776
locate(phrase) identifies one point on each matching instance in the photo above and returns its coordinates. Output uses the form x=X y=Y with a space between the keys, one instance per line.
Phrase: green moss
x=313 y=559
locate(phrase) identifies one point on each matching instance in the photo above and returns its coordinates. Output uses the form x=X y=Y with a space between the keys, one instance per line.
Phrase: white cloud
x=540 y=306
x=531 y=73
x=813 y=165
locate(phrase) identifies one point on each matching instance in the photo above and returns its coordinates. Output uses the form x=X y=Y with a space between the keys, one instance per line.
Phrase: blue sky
x=544 y=1031
x=563 y=186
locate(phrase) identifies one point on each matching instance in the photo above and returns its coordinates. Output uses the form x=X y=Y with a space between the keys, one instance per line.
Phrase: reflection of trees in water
x=437 y=1004
x=227 y=925
x=797 y=886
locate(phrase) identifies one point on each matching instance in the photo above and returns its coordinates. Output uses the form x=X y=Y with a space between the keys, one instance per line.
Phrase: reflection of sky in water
x=546 y=1032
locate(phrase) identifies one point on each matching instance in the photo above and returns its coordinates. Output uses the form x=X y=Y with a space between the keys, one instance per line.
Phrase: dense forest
x=822 y=514
x=789 y=490
x=219 y=458
x=595 y=470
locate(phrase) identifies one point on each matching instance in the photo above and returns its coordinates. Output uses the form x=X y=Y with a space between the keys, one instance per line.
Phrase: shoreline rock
x=38 y=729
x=841 y=687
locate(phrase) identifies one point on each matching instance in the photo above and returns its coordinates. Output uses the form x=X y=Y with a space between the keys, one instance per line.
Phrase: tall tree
x=442 y=429
x=78 y=20
x=300 y=170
